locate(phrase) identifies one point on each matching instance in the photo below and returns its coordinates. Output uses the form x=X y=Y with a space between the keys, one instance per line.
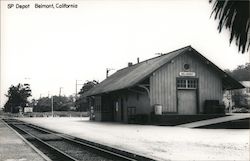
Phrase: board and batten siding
x=131 y=99
x=163 y=82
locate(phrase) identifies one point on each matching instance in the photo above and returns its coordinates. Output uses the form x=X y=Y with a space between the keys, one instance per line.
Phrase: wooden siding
x=163 y=83
x=103 y=108
x=132 y=99
x=140 y=101
x=97 y=108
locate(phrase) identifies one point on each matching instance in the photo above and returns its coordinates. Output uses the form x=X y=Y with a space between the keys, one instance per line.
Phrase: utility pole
x=26 y=80
x=60 y=90
x=76 y=94
x=76 y=87
x=76 y=90
x=52 y=110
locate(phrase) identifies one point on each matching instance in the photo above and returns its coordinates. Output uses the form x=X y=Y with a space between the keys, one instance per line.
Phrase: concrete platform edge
x=28 y=143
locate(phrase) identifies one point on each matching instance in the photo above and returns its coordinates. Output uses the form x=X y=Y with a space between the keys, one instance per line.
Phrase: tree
x=234 y=15
x=241 y=73
x=82 y=103
x=43 y=105
x=88 y=85
x=60 y=103
x=239 y=98
x=17 y=98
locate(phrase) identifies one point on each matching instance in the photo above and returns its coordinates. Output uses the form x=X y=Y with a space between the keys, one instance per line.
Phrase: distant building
x=238 y=97
x=176 y=83
x=246 y=91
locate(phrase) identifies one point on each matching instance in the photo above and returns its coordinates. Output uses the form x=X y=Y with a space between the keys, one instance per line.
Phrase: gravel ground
x=13 y=148
x=159 y=142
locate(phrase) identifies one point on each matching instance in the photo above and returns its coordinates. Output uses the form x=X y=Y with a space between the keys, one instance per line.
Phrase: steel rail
x=130 y=157
x=47 y=145
x=85 y=144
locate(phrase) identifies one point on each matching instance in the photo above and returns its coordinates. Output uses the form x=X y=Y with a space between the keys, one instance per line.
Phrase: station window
x=187 y=83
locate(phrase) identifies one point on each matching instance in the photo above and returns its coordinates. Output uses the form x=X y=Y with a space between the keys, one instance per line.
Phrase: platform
x=158 y=142
x=216 y=120
x=14 y=148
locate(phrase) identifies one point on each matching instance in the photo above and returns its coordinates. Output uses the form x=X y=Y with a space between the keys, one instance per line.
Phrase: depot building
x=181 y=82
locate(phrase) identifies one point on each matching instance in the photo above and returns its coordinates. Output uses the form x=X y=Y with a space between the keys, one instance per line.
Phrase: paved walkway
x=14 y=148
x=216 y=120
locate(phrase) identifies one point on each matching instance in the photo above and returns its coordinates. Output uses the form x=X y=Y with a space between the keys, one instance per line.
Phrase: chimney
x=130 y=64
x=138 y=60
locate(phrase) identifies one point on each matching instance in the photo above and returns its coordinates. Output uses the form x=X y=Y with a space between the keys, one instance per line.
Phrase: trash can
x=158 y=109
x=210 y=106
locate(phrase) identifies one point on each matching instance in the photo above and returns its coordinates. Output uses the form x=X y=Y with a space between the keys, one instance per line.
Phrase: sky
x=51 y=48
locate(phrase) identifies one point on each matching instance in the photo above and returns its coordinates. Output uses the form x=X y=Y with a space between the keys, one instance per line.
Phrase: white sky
x=55 y=47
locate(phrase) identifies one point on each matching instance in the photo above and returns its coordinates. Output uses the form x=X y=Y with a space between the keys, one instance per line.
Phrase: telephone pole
x=52 y=110
x=77 y=85
x=60 y=90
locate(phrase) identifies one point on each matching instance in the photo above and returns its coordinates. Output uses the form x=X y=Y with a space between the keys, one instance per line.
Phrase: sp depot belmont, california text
x=41 y=5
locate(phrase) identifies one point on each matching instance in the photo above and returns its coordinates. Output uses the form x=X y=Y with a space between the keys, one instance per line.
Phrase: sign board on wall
x=187 y=74
x=28 y=109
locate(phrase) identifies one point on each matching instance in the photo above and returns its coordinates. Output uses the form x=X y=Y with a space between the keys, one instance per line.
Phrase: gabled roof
x=130 y=76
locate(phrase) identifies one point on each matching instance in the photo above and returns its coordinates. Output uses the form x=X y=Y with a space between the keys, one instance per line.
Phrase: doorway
x=122 y=113
x=187 y=96
x=187 y=102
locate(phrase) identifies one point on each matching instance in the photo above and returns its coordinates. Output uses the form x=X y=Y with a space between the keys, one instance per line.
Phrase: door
x=131 y=114
x=122 y=110
x=118 y=109
x=115 y=109
x=187 y=103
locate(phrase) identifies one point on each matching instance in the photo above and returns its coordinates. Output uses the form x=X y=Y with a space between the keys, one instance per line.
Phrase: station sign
x=187 y=74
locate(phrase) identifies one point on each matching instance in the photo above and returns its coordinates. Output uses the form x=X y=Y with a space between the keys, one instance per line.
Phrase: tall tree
x=241 y=73
x=82 y=103
x=17 y=97
x=234 y=15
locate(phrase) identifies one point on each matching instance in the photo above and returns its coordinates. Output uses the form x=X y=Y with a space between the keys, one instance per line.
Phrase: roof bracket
x=146 y=88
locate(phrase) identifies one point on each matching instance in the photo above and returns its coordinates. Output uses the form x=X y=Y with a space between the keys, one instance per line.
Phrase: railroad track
x=61 y=147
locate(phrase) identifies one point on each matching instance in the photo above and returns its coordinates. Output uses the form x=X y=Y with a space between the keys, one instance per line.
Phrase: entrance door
x=115 y=110
x=187 y=102
x=122 y=110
